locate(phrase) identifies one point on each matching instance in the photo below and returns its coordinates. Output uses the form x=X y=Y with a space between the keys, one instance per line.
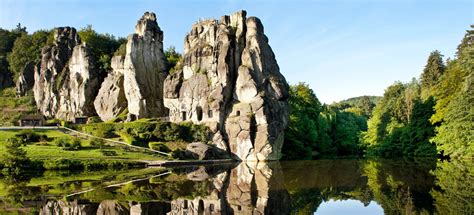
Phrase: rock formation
x=136 y=81
x=110 y=100
x=66 y=82
x=26 y=80
x=144 y=69
x=231 y=82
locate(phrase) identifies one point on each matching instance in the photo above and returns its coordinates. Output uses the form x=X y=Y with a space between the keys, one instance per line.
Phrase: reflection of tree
x=400 y=187
x=17 y=190
x=454 y=193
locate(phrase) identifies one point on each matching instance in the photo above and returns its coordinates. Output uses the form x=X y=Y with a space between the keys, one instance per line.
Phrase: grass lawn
x=47 y=150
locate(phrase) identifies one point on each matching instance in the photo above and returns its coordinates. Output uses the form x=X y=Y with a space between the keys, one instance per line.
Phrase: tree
x=102 y=46
x=454 y=111
x=173 y=59
x=455 y=135
x=27 y=48
x=15 y=160
x=7 y=39
x=432 y=72
x=301 y=134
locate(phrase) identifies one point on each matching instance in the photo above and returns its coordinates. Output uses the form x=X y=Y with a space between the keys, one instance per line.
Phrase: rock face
x=66 y=82
x=231 y=82
x=144 y=69
x=26 y=80
x=110 y=100
x=136 y=81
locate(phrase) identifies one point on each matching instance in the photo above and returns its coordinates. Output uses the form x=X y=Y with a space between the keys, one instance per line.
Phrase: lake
x=346 y=186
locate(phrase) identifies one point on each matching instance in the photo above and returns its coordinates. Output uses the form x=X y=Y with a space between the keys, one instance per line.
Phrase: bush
x=29 y=136
x=68 y=143
x=159 y=146
x=131 y=139
x=96 y=142
x=104 y=130
x=93 y=119
x=66 y=124
x=61 y=141
x=75 y=144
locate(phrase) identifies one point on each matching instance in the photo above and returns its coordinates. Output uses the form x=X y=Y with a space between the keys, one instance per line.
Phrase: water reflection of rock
x=250 y=188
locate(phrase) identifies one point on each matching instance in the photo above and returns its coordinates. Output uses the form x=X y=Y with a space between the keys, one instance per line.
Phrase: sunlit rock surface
x=66 y=81
x=110 y=100
x=144 y=69
x=231 y=82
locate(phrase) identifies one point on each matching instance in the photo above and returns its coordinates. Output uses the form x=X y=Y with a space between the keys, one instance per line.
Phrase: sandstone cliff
x=144 y=69
x=110 y=100
x=26 y=80
x=136 y=81
x=231 y=81
x=66 y=81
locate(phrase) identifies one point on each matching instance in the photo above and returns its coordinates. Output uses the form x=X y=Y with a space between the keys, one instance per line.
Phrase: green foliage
x=159 y=146
x=173 y=59
x=89 y=165
x=317 y=130
x=15 y=160
x=7 y=40
x=301 y=134
x=432 y=73
x=454 y=110
x=26 y=49
x=362 y=105
x=103 y=46
x=104 y=130
x=454 y=192
x=122 y=50
x=400 y=124
x=96 y=142
x=28 y=136
x=455 y=136
x=68 y=143
x=12 y=108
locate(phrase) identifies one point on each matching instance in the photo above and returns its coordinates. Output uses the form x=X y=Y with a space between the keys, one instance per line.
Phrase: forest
x=430 y=116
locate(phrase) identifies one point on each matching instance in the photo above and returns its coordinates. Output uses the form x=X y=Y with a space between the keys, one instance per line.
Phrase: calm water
x=297 y=187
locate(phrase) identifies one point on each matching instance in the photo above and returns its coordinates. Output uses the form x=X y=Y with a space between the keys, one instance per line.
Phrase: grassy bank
x=47 y=149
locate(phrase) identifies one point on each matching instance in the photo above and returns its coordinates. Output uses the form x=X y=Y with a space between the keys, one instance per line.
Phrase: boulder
x=231 y=82
x=26 y=80
x=110 y=100
x=144 y=69
x=201 y=151
x=66 y=82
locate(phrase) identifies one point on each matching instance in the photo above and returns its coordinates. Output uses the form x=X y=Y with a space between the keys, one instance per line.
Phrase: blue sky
x=341 y=48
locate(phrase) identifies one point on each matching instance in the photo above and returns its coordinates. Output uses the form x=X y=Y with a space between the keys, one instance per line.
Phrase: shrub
x=66 y=124
x=104 y=130
x=96 y=142
x=108 y=152
x=159 y=146
x=68 y=143
x=131 y=139
x=93 y=119
x=61 y=141
x=75 y=144
x=29 y=136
